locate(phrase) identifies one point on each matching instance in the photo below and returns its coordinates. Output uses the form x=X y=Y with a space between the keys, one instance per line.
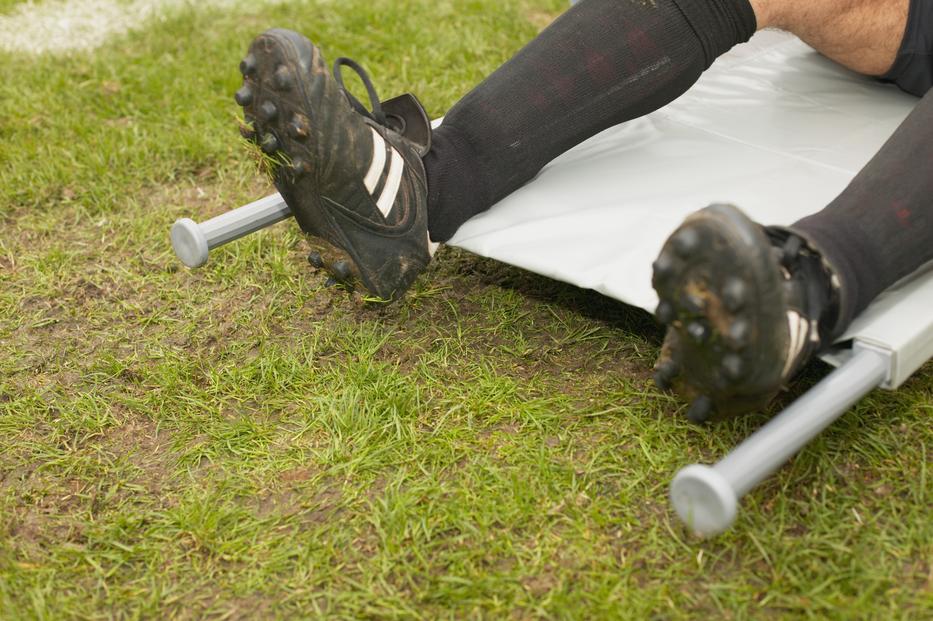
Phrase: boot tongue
x=406 y=116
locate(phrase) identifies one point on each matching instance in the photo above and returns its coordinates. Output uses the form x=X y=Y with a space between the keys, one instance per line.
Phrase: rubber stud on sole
x=341 y=270
x=315 y=259
x=693 y=304
x=735 y=294
x=282 y=78
x=248 y=132
x=739 y=333
x=248 y=65
x=698 y=332
x=298 y=167
x=270 y=144
x=701 y=410
x=298 y=127
x=665 y=373
x=733 y=367
x=244 y=96
x=664 y=266
x=686 y=242
x=268 y=111
x=666 y=313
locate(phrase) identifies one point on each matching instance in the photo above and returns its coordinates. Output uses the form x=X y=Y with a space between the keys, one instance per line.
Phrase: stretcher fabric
x=772 y=127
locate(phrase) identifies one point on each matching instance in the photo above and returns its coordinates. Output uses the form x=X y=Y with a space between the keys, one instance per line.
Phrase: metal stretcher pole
x=706 y=497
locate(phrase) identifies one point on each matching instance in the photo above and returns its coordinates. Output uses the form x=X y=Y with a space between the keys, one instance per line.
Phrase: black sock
x=599 y=64
x=880 y=228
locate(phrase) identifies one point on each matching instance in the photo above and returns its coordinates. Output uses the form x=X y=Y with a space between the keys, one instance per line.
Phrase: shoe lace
x=813 y=275
x=376 y=113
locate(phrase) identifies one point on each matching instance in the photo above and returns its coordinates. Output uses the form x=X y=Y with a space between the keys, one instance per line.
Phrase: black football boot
x=746 y=307
x=354 y=179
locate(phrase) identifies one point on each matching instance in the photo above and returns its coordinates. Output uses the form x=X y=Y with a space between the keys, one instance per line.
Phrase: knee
x=799 y=16
x=806 y=18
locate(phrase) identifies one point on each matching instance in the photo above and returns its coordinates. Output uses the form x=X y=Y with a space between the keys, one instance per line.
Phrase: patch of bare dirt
x=301 y=492
x=603 y=350
x=141 y=443
x=104 y=305
x=540 y=584
x=55 y=507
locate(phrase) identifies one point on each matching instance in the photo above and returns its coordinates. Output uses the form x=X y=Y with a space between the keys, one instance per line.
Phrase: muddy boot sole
x=354 y=185
x=721 y=298
x=277 y=72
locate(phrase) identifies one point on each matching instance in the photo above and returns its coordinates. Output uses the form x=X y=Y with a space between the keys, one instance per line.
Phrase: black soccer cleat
x=746 y=307
x=354 y=179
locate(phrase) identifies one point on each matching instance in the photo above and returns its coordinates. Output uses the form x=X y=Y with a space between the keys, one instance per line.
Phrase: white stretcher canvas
x=772 y=127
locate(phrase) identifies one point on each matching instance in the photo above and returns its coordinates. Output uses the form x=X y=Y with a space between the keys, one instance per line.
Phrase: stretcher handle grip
x=193 y=241
x=706 y=497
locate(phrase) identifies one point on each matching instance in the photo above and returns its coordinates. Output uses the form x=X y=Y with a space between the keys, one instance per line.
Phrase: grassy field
x=241 y=441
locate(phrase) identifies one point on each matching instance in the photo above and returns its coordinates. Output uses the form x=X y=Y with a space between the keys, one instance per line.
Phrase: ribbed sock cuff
x=719 y=24
x=456 y=182
x=853 y=298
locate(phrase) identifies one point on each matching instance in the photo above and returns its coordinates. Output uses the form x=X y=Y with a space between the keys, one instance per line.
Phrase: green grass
x=240 y=441
x=7 y=6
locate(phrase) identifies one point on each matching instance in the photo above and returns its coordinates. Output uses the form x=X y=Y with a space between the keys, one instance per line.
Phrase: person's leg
x=890 y=39
x=355 y=183
x=880 y=228
x=608 y=61
x=355 y=187
x=747 y=306
x=599 y=64
x=863 y=35
x=359 y=187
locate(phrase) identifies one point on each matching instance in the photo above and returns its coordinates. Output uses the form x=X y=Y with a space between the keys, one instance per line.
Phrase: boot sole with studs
x=268 y=72
x=283 y=73
x=721 y=298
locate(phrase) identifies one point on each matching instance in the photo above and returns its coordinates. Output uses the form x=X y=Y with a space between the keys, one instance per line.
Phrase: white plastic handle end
x=704 y=500
x=189 y=242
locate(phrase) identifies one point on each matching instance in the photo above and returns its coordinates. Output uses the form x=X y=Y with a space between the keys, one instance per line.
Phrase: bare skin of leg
x=863 y=35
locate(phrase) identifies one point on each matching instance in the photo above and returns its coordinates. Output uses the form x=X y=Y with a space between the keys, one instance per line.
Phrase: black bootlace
x=806 y=265
x=376 y=113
